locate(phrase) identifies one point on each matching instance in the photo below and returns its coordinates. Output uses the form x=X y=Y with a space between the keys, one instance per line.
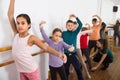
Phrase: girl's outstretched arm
x=100 y=62
x=34 y=40
x=11 y=16
x=44 y=35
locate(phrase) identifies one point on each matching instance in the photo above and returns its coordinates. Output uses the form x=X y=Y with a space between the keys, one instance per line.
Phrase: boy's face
x=94 y=23
x=70 y=26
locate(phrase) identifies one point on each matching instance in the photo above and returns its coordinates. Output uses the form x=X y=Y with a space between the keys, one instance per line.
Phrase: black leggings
x=60 y=70
x=106 y=62
x=92 y=44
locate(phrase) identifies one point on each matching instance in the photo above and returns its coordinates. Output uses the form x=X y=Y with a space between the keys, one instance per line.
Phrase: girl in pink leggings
x=22 y=46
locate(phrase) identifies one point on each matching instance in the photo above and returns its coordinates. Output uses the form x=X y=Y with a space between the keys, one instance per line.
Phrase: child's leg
x=105 y=66
x=92 y=44
x=86 y=53
x=22 y=76
x=53 y=73
x=77 y=66
x=97 y=57
x=33 y=75
x=62 y=73
x=67 y=66
x=106 y=63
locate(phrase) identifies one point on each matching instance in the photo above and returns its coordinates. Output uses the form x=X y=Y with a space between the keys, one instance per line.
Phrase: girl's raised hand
x=95 y=16
x=72 y=16
x=41 y=24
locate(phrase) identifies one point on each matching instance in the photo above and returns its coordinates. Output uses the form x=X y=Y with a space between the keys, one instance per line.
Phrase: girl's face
x=56 y=36
x=70 y=26
x=99 y=45
x=22 y=25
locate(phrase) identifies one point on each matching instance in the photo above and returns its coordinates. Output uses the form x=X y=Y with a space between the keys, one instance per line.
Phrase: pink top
x=21 y=52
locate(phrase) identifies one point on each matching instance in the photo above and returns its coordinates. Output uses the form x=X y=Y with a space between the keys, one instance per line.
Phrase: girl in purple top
x=55 y=63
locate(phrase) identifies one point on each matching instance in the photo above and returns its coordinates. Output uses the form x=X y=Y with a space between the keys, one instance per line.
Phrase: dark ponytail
x=104 y=42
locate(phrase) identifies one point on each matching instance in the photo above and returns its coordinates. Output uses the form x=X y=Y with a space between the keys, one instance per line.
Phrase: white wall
x=118 y=13
x=59 y=11
x=56 y=13
x=107 y=13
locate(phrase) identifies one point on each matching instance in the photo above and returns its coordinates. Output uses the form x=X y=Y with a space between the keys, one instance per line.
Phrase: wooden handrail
x=5 y=48
x=12 y=61
x=10 y=47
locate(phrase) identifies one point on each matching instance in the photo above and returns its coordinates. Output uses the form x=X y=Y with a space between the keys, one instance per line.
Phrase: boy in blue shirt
x=70 y=37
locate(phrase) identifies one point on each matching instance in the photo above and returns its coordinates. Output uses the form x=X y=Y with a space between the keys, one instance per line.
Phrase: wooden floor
x=112 y=73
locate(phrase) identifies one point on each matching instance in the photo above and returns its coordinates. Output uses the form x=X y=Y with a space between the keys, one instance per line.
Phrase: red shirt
x=84 y=41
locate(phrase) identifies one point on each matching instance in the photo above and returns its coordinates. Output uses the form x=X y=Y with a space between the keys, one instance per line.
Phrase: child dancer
x=70 y=37
x=84 y=39
x=22 y=44
x=103 y=55
x=55 y=63
x=96 y=26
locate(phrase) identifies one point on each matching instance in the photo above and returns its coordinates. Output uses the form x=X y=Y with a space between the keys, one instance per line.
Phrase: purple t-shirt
x=55 y=61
